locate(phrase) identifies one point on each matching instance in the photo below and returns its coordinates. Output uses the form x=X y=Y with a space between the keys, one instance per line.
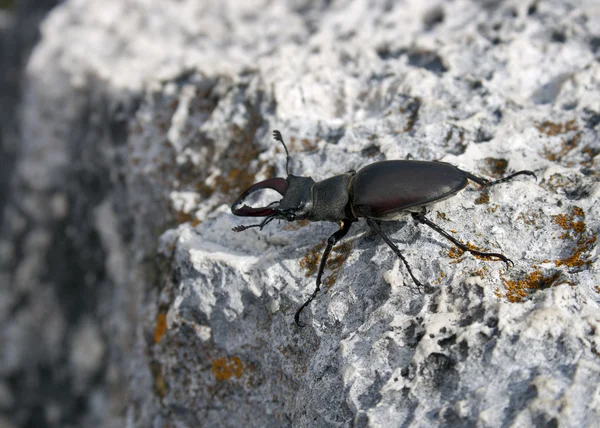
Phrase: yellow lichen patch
x=590 y=153
x=492 y=208
x=442 y=216
x=310 y=261
x=597 y=289
x=529 y=218
x=517 y=290
x=307 y=146
x=183 y=217
x=566 y=221
x=552 y=129
x=439 y=279
x=481 y=273
x=160 y=386
x=455 y=253
x=161 y=326
x=496 y=166
x=339 y=254
x=578 y=212
x=574 y=226
x=284 y=351
x=240 y=165
x=484 y=198
x=556 y=182
x=226 y=367
x=413 y=114
x=580 y=256
x=295 y=225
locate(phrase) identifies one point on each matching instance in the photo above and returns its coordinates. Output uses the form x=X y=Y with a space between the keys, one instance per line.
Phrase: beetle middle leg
x=377 y=229
x=331 y=241
x=420 y=217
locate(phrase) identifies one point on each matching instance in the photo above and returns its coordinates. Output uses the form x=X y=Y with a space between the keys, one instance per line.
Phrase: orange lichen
x=307 y=146
x=591 y=153
x=284 y=351
x=295 y=225
x=578 y=212
x=496 y=166
x=574 y=225
x=458 y=140
x=517 y=290
x=552 y=129
x=161 y=326
x=339 y=255
x=183 y=217
x=529 y=218
x=566 y=222
x=455 y=253
x=226 y=367
x=481 y=273
x=484 y=198
x=240 y=165
x=413 y=114
x=580 y=257
x=442 y=216
x=492 y=208
x=160 y=386
x=312 y=259
x=439 y=278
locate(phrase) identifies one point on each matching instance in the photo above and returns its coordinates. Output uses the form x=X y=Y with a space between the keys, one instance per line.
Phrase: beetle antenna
x=278 y=137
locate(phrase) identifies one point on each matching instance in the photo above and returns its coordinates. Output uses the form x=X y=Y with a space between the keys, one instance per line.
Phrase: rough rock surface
x=124 y=288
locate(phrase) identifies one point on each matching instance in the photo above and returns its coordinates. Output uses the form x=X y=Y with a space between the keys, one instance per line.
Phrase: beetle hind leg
x=377 y=229
x=485 y=183
x=331 y=241
x=420 y=217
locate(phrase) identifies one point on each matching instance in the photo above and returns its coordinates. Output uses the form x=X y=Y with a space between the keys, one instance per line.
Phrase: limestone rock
x=144 y=121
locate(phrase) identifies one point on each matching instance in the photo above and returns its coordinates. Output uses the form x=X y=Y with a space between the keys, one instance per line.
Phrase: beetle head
x=296 y=203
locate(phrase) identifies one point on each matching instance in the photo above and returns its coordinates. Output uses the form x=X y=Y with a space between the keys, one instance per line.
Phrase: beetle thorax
x=331 y=199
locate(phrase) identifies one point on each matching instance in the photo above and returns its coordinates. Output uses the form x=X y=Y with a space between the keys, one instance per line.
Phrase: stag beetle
x=381 y=191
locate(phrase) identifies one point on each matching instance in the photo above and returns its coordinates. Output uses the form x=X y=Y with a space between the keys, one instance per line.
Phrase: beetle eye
x=290 y=216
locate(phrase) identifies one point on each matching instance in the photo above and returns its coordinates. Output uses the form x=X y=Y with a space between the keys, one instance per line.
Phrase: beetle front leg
x=420 y=217
x=375 y=227
x=331 y=241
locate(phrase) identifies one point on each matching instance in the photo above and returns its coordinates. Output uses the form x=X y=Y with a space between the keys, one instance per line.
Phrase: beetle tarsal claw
x=297 y=318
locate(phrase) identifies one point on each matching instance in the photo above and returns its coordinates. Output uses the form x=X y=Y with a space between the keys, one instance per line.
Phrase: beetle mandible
x=381 y=191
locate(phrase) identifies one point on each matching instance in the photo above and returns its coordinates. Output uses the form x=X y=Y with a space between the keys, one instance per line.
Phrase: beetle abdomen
x=384 y=189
